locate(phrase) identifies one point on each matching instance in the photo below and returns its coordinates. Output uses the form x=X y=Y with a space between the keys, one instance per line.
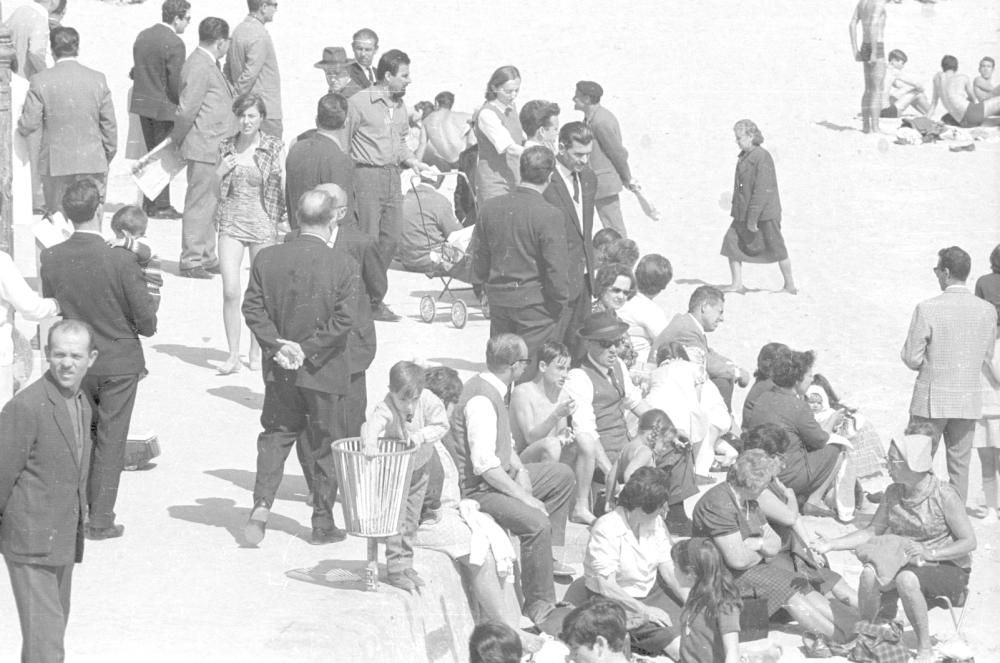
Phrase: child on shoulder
x=129 y=225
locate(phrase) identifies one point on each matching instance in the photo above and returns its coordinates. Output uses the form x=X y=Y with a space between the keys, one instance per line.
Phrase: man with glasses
x=530 y=500
x=520 y=254
x=251 y=64
x=950 y=337
x=602 y=390
x=158 y=57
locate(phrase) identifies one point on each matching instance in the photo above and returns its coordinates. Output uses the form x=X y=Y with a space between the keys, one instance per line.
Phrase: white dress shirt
x=481 y=428
x=567 y=176
x=633 y=563
x=580 y=388
x=491 y=125
x=645 y=319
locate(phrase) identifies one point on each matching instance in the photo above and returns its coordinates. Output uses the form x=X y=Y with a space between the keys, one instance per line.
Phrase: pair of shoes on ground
x=162 y=212
x=254 y=530
x=561 y=570
x=101 y=533
x=408 y=580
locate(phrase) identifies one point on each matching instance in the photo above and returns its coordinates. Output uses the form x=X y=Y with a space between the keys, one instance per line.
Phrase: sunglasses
x=606 y=344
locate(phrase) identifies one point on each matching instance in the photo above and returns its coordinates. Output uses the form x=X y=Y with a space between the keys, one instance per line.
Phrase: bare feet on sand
x=230 y=366
x=582 y=516
x=790 y=289
x=738 y=289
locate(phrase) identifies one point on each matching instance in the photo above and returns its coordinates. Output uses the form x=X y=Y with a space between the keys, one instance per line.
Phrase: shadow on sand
x=200 y=357
x=459 y=364
x=240 y=395
x=293 y=487
x=223 y=512
x=826 y=124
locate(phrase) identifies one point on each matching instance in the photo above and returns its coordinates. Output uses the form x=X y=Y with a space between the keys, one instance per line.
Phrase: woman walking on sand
x=755 y=233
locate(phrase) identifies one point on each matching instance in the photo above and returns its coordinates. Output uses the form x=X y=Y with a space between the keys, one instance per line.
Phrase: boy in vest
x=415 y=415
x=530 y=500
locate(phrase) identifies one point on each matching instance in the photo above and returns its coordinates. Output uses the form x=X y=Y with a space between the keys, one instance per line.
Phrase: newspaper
x=158 y=168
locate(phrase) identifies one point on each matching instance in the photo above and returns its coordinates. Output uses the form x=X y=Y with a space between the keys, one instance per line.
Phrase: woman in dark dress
x=755 y=233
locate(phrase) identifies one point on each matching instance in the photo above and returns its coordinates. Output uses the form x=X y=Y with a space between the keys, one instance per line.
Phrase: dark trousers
x=958 y=435
x=399 y=549
x=42 y=597
x=379 y=199
x=198 y=222
x=112 y=398
x=54 y=187
x=535 y=323
x=553 y=484
x=355 y=405
x=572 y=319
x=291 y=413
x=155 y=132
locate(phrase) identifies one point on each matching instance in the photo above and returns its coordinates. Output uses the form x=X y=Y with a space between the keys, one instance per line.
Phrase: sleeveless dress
x=240 y=214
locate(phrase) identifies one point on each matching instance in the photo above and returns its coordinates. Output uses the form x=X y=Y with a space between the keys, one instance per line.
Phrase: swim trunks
x=889 y=111
x=975 y=114
x=866 y=51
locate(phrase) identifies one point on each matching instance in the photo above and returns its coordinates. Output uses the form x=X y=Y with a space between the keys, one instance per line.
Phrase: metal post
x=6 y=146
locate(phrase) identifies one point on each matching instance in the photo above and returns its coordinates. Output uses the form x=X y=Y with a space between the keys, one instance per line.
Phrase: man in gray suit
x=44 y=458
x=71 y=105
x=950 y=337
x=251 y=65
x=204 y=118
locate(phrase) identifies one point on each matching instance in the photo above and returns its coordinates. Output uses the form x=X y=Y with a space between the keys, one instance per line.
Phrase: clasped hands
x=290 y=355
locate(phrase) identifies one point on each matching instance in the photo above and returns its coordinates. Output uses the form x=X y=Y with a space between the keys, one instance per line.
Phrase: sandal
x=816 y=645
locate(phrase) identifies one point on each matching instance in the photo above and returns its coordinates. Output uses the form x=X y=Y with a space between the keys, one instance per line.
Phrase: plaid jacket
x=950 y=337
x=269 y=159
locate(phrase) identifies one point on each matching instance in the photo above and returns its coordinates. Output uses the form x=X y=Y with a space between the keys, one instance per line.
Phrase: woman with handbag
x=755 y=233
x=927 y=551
x=730 y=515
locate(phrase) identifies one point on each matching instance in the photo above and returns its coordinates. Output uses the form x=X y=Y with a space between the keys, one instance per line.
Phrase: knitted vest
x=457 y=443
x=608 y=406
x=498 y=172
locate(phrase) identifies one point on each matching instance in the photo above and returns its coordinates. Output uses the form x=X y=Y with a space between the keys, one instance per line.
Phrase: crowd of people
x=595 y=406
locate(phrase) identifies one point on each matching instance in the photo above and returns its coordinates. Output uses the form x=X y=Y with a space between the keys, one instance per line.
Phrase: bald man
x=300 y=305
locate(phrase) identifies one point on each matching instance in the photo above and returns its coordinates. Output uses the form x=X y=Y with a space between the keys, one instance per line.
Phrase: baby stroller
x=450 y=264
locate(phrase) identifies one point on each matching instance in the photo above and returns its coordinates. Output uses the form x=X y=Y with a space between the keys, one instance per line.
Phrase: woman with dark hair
x=810 y=464
x=762 y=376
x=646 y=320
x=755 y=233
x=499 y=136
x=494 y=642
x=614 y=284
x=730 y=515
x=251 y=205
x=928 y=551
x=710 y=623
x=628 y=560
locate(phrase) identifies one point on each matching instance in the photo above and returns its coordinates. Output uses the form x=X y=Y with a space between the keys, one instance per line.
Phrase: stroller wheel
x=459 y=313
x=428 y=308
x=484 y=303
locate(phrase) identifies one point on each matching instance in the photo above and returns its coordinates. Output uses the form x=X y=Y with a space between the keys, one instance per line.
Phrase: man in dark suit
x=44 y=456
x=364 y=43
x=204 y=118
x=158 y=56
x=572 y=189
x=318 y=157
x=103 y=287
x=610 y=158
x=252 y=65
x=300 y=305
x=71 y=105
x=706 y=309
x=519 y=252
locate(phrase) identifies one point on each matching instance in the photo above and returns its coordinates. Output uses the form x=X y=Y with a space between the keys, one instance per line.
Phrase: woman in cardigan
x=499 y=136
x=251 y=205
x=755 y=233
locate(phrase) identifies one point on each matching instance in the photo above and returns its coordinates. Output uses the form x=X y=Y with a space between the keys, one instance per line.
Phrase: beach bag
x=754 y=618
x=878 y=643
x=750 y=243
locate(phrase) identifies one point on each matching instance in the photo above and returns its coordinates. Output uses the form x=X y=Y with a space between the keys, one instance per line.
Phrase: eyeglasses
x=617 y=291
x=520 y=361
x=607 y=344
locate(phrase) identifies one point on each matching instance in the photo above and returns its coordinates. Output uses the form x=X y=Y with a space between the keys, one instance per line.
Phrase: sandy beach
x=863 y=220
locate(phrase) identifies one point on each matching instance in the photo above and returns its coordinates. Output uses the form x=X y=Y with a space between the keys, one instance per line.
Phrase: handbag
x=878 y=643
x=754 y=618
x=749 y=242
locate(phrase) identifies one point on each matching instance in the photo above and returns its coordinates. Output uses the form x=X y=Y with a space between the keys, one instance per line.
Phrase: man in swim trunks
x=983 y=85
x=447 y=133
x=956 y=93
x=901 y=93
x=871 y=15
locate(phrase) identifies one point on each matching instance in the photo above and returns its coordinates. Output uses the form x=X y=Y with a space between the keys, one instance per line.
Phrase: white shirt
x=567 y=177
x=613 y=550
x=646 y=320
x=579 y=387
x=491 y=125
x=17 y=294
x=481 y=428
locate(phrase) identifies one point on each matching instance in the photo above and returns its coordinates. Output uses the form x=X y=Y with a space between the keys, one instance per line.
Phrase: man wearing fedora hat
x=530 y=500
x=602 y=390
x=334 y=66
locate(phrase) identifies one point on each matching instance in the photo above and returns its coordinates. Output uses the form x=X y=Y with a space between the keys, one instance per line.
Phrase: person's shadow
x=239 y=395
x=459 y=364
x=292 y=488
x=826 y=124
x=200 y=357
x=223 y=512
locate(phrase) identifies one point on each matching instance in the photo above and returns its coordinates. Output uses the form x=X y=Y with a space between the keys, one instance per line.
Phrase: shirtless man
x=982 y=85
x=901 y=93
x=539 y=408
x=959 y=99
x=871 y=15
x=448 y=133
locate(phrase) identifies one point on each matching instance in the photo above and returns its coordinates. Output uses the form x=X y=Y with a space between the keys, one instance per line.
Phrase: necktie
x=506 y=398
x=576 y=187
x=371 y=76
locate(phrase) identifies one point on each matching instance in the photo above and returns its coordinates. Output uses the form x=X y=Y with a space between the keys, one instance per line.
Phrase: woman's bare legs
x=254 y=357
x=230 y=262
x=786 y=273
x=736 y=278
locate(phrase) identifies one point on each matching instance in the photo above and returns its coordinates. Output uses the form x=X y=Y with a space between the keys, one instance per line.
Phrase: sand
x=863 y=219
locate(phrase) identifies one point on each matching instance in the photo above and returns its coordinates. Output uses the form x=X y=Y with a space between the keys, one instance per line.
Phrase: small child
x=710 y=623
x=129 y=225
x=411 y=413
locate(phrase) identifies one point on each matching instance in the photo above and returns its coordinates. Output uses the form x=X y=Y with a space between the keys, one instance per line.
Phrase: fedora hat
x=602 y=326
x=333 y=56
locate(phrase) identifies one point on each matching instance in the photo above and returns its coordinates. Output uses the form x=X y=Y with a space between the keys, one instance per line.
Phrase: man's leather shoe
x=383 y=313
x=323 y=536
x=214 y=269
x=253 y=532
x=195 y=273
x=561 y=570
x=101 y=533
x=163 y=213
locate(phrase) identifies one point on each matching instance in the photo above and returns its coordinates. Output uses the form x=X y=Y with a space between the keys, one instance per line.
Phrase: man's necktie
x=371 y=76
x=576 y=187
x=506 y=398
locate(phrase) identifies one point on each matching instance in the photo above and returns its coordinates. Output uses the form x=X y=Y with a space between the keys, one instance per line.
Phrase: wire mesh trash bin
x=374 y=489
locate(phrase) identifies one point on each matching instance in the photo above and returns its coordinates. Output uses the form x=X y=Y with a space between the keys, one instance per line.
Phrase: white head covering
x=916 y=451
